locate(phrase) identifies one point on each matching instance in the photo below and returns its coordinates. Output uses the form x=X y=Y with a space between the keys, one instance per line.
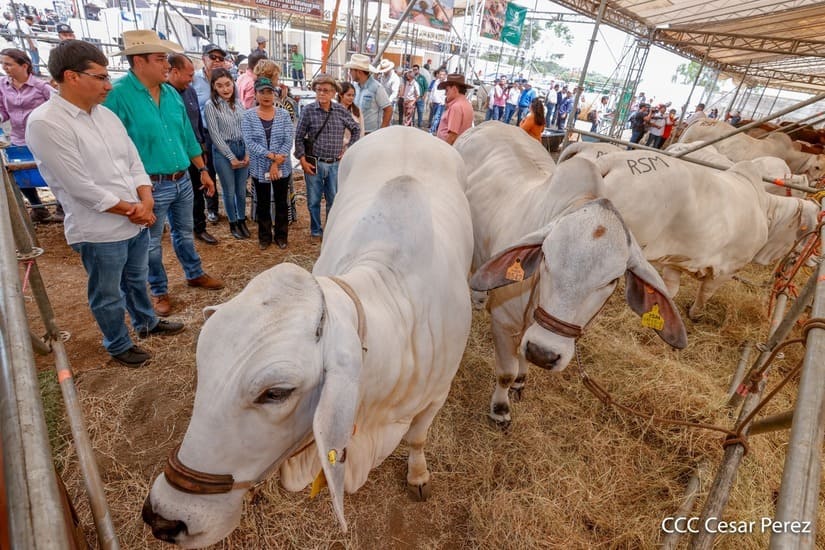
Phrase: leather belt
x=326 y=161
x=171 y=177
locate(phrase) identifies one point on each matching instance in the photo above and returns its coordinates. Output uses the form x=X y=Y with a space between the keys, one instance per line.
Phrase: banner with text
x=313 y=8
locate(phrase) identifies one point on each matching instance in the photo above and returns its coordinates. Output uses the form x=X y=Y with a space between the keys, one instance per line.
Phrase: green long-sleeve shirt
x=162 y=133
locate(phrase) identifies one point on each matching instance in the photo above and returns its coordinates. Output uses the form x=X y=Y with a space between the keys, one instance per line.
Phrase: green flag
x=513 y=24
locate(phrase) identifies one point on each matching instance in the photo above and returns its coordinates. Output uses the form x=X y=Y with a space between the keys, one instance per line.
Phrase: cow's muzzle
x=162 y=528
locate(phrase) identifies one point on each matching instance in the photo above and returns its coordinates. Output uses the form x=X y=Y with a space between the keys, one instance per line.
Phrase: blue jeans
x=522 y=114
x=324 y=181
x=35 y=55
x=117 y=282
x=636 y=136
x=419 y=109
x=490 y=114
x=173 y=199
x=550 y=110
x=436 y=110
x=233 y=181
x=508 y=113
x=498 y=112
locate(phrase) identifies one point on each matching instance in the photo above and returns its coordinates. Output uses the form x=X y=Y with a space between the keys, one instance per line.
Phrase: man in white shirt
x=390 y=80
x=93 y=168
x=698 y=114
x=437 y=98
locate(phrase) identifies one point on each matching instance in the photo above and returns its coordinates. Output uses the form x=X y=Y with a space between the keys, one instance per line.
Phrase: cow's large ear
x=334 y=417
x=646 y=295
x=513 y=264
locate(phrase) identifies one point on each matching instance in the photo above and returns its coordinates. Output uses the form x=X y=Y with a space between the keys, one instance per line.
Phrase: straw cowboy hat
x=385 y=66
x=324 y=78
x=455 y=80
x=145 y=41
x=360 y=62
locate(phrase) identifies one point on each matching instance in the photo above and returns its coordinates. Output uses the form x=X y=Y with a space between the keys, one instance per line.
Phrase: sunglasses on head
x=215 y=57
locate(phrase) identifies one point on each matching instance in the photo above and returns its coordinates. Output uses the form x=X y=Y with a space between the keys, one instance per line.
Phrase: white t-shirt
x=513 y=96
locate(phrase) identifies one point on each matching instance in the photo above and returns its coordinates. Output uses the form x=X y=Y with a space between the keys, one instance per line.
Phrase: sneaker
x=205 y=281
x=163 y=328
x=212 y=217
x=133 y=357
x=281 y=243
x=162 y=305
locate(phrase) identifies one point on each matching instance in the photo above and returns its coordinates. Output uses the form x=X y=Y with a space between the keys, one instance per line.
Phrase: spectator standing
x=565 y=108
x=513 y=93
x=64 y=32
x=656 y=127
x=21 y=93
x=597 y=113
x=296 y=62
x=560 y=95
x=499 y=98
x=180 y=77
x=370 y=96
x=155 y=118
x=534 y=122
x=389 y=79
x=268 y=133
x=260 y=46
x=459 y=115
x=223 y=118
x=638 y=123
x=714 y=113
x=107 y=195
x=552 y=101
x=438 y=97
x=346 y=97
x=670 y=121
x=698 y=114
x=410 y=93
x=423 y=86
x=246 y=82
x=214 y=57
x=525 y=101
x=322 y=123
x=31 y=44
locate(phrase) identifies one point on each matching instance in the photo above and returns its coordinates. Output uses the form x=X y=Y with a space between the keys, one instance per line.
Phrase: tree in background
x=686 y=74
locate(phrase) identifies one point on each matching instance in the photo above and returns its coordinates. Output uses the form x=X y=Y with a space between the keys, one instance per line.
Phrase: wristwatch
x=202 y=169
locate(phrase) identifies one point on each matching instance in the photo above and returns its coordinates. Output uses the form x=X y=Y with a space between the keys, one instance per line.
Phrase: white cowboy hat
x=146 y=41
x=360 y=62
x=385 y=66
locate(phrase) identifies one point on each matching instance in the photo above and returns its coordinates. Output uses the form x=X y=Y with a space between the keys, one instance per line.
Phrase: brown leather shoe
x=205 y=281
x=206 y=237
x=162 y=306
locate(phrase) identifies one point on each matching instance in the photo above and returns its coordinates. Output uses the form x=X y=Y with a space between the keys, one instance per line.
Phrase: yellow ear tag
x=652 y=319
x=318 y=483
x=515 y=271
x=332 y=456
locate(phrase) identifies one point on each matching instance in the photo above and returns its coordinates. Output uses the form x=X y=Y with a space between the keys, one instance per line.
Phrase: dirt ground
x=571 y=473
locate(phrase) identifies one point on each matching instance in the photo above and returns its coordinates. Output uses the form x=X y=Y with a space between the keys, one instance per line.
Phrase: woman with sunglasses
x=20 y=93
x=224 y=113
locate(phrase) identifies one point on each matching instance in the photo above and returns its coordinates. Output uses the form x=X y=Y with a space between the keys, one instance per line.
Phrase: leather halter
x=194 y=482
x=556 y=325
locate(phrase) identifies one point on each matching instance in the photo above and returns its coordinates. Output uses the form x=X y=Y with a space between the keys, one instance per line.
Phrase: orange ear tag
x=652 y=319
x=318 y=483
x=515 y=272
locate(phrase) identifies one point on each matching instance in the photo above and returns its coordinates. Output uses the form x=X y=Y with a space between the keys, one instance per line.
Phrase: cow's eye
x=274 y=395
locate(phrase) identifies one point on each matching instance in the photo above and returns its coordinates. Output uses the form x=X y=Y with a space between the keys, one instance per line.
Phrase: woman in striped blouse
x=268 y=133
x=223 y=118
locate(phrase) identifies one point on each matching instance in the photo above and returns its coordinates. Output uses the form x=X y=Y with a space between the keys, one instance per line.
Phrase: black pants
x=198 y=204
x=266 y=192
x=211 y=202
x=31 y=194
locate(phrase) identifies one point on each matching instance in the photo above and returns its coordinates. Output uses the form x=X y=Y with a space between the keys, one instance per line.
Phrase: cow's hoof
x=419 y=493
x=503 y=424
x=516 y=394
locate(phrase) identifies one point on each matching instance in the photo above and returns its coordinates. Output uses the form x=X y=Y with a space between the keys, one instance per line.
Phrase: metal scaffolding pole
x=799 y=492
x=736 y=93
x=571 y=118
x=394 y=31
x=692 y=88
x=759 y=101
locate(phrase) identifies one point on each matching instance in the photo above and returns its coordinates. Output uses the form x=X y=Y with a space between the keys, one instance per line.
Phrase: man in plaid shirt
x=323 y=123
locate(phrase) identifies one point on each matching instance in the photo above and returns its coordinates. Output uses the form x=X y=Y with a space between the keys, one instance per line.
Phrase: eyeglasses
x=214 y=57
x=100 y=77
x=324 y=91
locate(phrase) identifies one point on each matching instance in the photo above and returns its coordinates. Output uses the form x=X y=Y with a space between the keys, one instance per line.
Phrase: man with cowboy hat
x=155 y=118
x=107 y=195
x=370 y=96
x=319 y=144
x=391 y=82
x=458 y=118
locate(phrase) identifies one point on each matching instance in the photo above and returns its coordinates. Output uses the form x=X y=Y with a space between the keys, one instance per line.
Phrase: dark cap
x=209 y=48
x=264 y=83
x=63 y=27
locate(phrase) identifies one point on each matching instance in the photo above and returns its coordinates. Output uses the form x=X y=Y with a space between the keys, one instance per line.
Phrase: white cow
x=553 y=250
x=744 y=147
x=706 y=222
x=283 y=382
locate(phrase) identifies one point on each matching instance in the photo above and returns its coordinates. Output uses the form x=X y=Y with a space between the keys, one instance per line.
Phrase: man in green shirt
x=155 y=118
x=297 y=63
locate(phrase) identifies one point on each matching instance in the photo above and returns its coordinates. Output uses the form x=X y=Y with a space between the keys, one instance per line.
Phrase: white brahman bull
x=553 y=249
x=706 y=222
x=744 y=147
x=283 y=382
